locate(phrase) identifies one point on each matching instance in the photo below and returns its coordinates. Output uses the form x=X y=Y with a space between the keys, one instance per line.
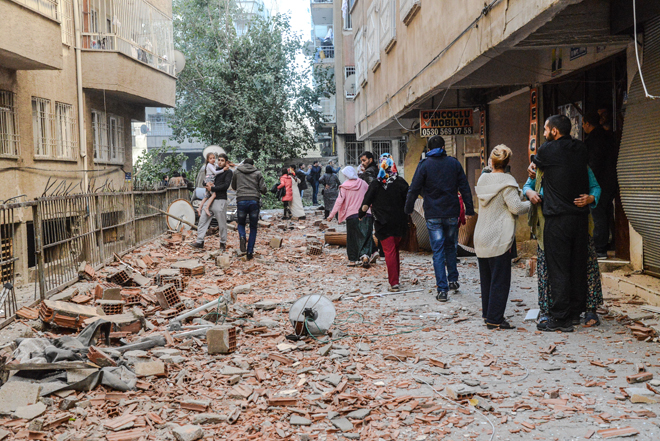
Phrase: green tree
x=245 y=93
x=152 y=164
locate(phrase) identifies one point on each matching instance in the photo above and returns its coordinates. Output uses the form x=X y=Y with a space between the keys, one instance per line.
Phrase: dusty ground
x=386 y=361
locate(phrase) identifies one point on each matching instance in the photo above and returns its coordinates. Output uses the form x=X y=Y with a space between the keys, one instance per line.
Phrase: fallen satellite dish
x=182 y=209
x=312 y=314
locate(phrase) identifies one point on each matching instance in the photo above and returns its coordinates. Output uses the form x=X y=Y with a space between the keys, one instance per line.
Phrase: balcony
x=30 y=35
x=324 y=53
x=328 y=109
x=128 y=49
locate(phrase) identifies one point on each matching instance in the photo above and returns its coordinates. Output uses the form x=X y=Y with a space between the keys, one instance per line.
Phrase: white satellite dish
x=215 y=149
x=144 y=129
x=182 y=209
x=312 y=314
x=179 y=61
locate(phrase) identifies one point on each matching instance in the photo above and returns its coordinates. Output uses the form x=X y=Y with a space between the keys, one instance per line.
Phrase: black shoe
x=602 y=255
x=575 y=320
x=243 y=244
x=552 y=325
x=453 y=286
x=503 y=325
x=197 y=245
x=441 y=296
x=249 y=256
x=223 y=247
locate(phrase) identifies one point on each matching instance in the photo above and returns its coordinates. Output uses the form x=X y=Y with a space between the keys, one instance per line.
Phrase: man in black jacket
x=439 y=178
x=602 y=160
x=219 y=207
x=564 y=161
x=249 y=185
x=368 y=167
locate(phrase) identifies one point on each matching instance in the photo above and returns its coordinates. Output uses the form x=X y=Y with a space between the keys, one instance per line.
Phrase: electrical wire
x=639 y=65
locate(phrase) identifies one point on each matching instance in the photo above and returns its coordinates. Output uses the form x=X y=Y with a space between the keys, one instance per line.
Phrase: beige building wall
x=36 y=60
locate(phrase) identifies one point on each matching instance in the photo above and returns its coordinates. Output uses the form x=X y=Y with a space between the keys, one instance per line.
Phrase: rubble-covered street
x=400 y=366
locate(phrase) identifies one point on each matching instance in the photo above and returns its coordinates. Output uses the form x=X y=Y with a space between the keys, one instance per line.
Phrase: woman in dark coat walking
x=387 y=198
x=330 y=183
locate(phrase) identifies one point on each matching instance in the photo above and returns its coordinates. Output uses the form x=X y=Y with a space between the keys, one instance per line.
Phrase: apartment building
x=74 y=75
x=486 y=73
x=333 y=37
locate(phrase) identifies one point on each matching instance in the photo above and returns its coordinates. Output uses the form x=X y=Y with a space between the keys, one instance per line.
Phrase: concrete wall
x=28 y=39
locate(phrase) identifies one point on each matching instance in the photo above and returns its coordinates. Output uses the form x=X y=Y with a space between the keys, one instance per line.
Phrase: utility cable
x=639 y=65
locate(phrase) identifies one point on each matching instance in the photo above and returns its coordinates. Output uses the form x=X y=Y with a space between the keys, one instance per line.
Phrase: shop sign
x=482 y=136
x=577 y=52
x=446 y=122
x=533 y=122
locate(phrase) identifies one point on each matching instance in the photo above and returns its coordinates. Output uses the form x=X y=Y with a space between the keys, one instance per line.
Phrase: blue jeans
x=315 y=192
x=243 y=210
x=443 y=234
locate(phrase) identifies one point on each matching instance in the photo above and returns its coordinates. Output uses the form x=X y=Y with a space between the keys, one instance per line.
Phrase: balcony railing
x=132 y=27
x=324 y=52
x=321 y=1
x=45 y=7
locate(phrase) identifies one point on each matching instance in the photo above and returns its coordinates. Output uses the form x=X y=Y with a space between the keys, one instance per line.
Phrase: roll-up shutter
x=638 y=166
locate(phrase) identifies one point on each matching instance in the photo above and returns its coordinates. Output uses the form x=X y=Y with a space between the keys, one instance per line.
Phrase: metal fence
x=7 y=261
x=92 y=228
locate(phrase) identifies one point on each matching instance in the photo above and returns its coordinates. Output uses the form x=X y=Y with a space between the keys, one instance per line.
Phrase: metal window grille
x=66 y=18
x=9 y=133
x=48 y=8
x=348 y=71
x=66 y=128
x=132 y=27
x=353 y=148
x=403 y=151
x=42 y=128
x=380 y=147
x=108 y=137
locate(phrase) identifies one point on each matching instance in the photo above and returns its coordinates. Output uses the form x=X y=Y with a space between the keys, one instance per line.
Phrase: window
x=387 y=22
x=358 y=50
x=42 y=128
x=372 y=37
x=352 y=150
x=108 y=137
x=9 y=133
x=66 y=17
x=380 y=147
x=348 y=18
x=349 y=71
x=403 y=151
x=66 y=132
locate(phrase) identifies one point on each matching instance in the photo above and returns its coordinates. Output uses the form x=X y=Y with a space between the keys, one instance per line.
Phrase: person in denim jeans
x=249 y=185
x=440 y=178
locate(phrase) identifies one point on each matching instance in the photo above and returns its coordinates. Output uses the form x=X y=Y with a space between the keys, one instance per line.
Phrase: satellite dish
x=144 y=129
x=182 y=209
x=349 y=85
x=179 y=61
x=312 y=314
x=216 y=149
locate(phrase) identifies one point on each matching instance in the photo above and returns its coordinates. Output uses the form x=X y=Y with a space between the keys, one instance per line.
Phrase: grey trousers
x=219 y=210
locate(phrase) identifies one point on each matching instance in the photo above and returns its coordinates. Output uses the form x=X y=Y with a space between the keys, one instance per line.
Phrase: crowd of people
x=562 y=195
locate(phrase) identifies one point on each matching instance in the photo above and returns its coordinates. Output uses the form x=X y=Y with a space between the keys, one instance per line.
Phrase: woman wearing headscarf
x=297 y=209
x=387 y=198
x=360 y=244
x=494 y=235
x=330 y=183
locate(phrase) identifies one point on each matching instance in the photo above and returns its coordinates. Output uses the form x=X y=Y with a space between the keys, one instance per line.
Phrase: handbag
x=409 y=240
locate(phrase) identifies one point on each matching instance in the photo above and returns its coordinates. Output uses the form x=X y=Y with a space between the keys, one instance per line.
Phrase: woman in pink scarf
x=360 y=245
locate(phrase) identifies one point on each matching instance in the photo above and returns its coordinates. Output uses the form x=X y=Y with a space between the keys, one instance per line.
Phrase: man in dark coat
x=564 y=162
x=368 y=167
x=439 y=178
x=314 y=177
x=218 y=208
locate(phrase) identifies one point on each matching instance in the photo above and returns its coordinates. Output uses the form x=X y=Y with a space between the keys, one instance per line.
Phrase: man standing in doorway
x=218 y=208
x=439 y=178
x=368 y=169
x=564 y=162
x=602 y=160
x=314 y=177
x=249 y=185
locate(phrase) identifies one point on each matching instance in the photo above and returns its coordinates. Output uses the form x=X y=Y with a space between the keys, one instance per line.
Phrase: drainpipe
x=81 y=119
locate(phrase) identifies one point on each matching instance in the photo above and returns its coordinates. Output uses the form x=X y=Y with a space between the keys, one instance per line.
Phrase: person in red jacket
x=285 y=183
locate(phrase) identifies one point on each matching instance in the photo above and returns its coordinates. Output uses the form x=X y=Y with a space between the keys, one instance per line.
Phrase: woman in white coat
x=494 y=235
x=297 y=209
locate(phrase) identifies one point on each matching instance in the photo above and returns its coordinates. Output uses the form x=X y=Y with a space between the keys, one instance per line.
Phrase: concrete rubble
x=116 y=361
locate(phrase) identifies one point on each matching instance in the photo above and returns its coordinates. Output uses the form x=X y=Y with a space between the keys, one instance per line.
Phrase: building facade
x=333 y=36
x=487 y=74
x=74 y=75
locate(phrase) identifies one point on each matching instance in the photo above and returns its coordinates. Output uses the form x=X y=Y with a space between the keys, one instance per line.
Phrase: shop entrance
x=600 y=87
